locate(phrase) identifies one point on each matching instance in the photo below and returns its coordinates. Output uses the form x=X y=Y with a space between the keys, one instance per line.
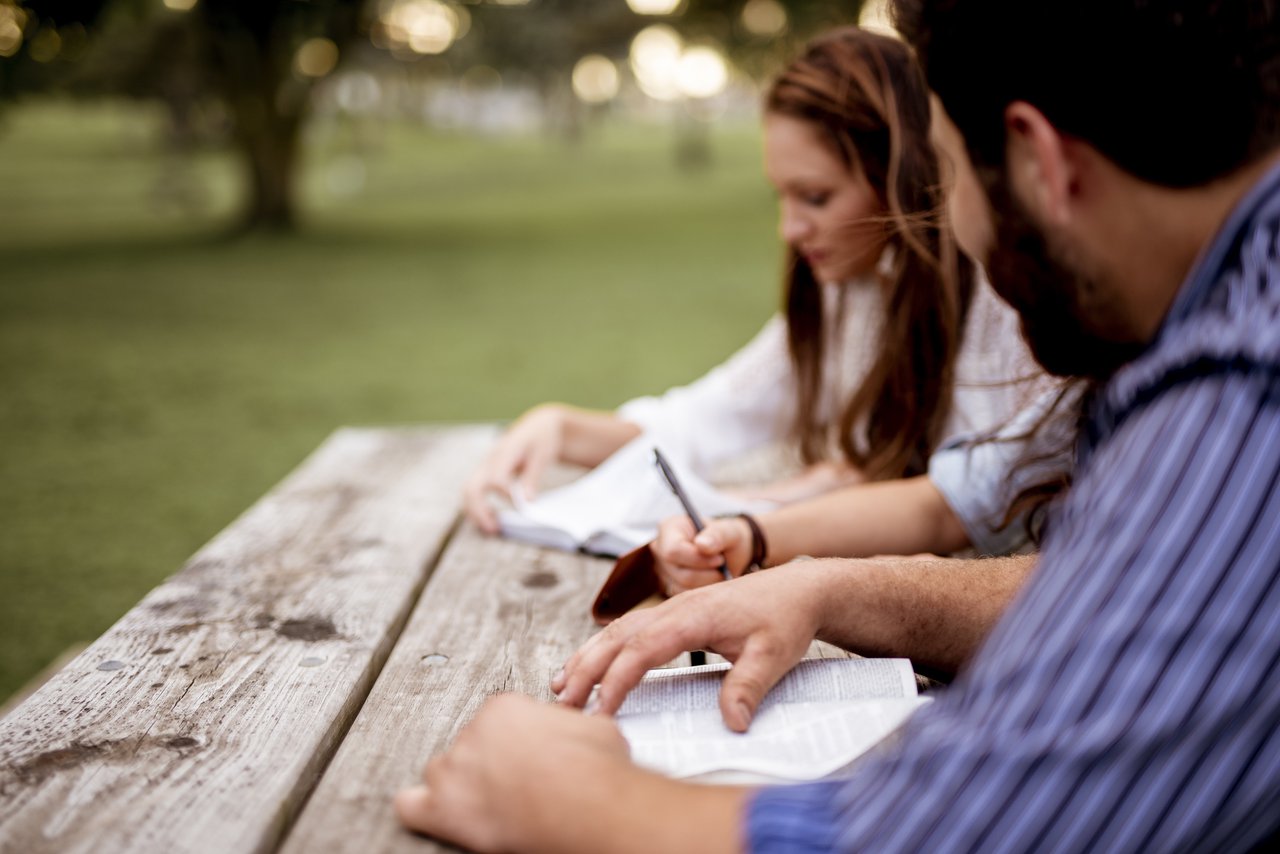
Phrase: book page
x=817 y=680
x=614 y=507
x=819 y=718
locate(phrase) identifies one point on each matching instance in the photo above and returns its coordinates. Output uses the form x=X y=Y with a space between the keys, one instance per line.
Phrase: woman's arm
x=546 y=434
x=892 y=517
x=899 y=517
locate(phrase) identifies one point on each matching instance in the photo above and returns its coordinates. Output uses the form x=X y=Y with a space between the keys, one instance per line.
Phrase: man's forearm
x=935 y=612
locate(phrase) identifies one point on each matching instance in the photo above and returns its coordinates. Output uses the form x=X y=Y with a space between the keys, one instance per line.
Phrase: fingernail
x=592 y=707
x=558 y=678
x=744 y=714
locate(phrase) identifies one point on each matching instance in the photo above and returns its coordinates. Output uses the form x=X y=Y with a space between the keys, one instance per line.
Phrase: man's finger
x=413 y=808
x=585 y=668
x=754 y=672
x=661 y=640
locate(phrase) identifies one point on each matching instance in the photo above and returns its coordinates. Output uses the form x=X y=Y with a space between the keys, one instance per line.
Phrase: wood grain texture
x=202 y=719
x=496 y=616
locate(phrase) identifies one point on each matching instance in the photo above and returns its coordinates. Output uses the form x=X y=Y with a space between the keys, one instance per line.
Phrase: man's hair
x=1175 y=92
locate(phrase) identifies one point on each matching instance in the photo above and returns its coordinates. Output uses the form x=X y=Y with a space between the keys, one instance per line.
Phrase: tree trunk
x=253 y=43
x=270 y=154
x=268 y=107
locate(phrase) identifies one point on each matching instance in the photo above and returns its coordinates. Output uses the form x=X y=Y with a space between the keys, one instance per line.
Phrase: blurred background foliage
x=232 y=226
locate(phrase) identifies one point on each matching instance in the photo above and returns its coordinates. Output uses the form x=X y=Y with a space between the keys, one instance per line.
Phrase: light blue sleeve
x=979 y=476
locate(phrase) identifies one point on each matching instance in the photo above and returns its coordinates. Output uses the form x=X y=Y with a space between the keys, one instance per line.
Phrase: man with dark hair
x=1127 y=698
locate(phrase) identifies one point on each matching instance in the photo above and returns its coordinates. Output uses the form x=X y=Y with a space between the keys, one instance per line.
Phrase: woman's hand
x=685 y=559
x=547 y=434
x=524 y=452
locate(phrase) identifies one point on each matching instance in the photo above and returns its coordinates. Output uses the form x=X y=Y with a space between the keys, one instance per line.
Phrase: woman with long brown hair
x=890 y=342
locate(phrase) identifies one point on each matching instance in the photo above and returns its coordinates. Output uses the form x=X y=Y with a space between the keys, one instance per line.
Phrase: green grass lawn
x=156 y=378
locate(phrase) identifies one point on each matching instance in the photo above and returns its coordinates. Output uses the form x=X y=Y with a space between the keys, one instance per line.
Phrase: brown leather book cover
x=632 y=581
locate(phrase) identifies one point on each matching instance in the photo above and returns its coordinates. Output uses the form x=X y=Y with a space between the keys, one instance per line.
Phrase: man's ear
x=1040 y=170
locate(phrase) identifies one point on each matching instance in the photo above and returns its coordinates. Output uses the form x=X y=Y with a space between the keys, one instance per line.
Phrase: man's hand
x=487 y=792
x=528 y=776
x=686 y=559
x=763 y=623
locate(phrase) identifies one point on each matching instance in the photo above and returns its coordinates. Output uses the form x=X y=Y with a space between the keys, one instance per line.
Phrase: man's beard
x=1069 y=320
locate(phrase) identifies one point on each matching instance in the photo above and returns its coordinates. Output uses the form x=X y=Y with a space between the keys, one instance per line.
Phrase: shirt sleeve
x=979 y=476
x=795 y=819
x=1129 y=698
x=745 y=403
x=996 y=376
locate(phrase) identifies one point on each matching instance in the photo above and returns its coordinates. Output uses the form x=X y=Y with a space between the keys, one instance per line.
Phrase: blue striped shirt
x=1129 y=700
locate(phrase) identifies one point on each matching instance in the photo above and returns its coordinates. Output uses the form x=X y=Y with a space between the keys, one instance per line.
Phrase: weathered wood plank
x=496 y=616
x=201 y=720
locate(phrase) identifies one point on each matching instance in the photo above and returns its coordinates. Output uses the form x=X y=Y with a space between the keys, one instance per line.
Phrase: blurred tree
x=253 y=45
x=261 y=58
x=37 y=38
x=243 y=52
x=545 y=38
x=744 y=28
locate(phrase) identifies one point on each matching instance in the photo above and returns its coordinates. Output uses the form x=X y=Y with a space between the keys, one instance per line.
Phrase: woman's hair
x=1045 y=471
x=867 y=98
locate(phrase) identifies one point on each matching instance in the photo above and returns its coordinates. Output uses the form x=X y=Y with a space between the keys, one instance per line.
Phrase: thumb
x=535 y=464
x=745 y=686
x=714 y=539
x=413 y=808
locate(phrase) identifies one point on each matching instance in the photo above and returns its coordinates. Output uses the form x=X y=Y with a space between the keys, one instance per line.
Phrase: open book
x=818 y=719
x=615 y=507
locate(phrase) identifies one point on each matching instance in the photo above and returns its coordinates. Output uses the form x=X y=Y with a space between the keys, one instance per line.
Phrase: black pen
x=669 y=475
x=696 y=657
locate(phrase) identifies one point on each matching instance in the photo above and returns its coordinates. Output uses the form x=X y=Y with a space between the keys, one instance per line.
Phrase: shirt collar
x=1261 y=201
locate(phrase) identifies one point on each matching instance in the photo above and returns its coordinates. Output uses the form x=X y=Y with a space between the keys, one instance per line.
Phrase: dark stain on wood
x=541 y=579
x=262 y=620
x=308 y=629
x=44 y=765
x=191 y=605
x=162 y=650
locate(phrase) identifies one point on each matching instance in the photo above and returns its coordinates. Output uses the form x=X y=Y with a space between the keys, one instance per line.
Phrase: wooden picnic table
x=276 y=692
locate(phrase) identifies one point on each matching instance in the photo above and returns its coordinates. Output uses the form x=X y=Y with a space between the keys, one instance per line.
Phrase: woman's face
x=828 y=213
